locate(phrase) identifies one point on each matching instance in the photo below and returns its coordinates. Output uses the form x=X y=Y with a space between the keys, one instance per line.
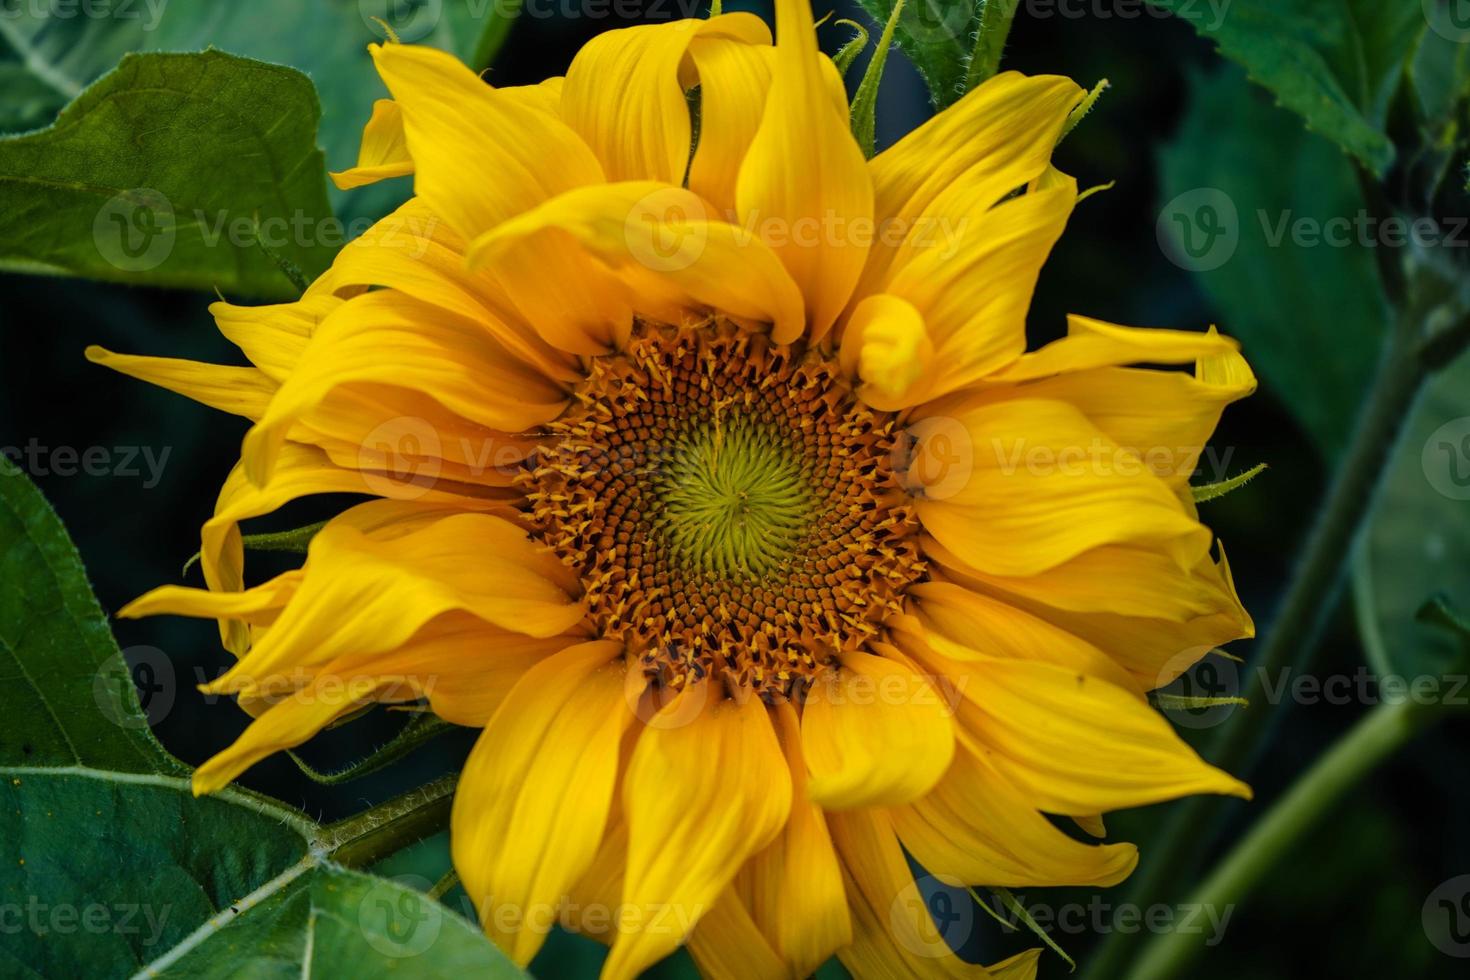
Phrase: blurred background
x=1177 y=118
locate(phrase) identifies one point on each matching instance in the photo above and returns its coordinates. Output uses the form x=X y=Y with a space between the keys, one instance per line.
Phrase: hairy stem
x=390 y=826
x=990 y=40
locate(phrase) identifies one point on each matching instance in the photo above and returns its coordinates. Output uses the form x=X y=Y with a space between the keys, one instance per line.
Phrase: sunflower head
x=649 y=390
x=734 y=508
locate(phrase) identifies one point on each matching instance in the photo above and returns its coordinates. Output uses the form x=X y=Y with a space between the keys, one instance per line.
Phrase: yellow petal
x=795 y=884
x=894 y=934
x=285 y=725
x=663 y=242
x=701 y=797
x=414 y=252
x=1139 y=607
x=976 y=827
x=533 y=799
x=388 y=340
x=1022 y=966
x=734 y=78
x=874 y=734
x=804 y=186
x=1074 y=744
x=623 y=94
x=1039 y=484
x=384 y=151
x=1093 y=343
x=999 y=136
x=965 y=625
x=480 y=156
x=1164 y=418
x=727 y=945
x=368 y=590
x=886 y=345
x=971 y=277
x=273 y=337
x=238 y=390
x=260 y=606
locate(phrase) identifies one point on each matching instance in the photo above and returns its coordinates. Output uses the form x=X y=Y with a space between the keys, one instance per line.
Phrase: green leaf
x=328 y=40
x=935 y=35
x=1279 y=248
x=165 y=172
x=47 y=60
x=1336 y=63
x=1419 y=536
x=115 y=868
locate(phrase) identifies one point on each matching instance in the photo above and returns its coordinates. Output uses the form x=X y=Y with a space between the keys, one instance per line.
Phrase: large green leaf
x=1416 y=545
x=113 y=868
x=1336 y=63
x=50 y=52
x=936 y=37
x=1268 y=216
x=172 y=170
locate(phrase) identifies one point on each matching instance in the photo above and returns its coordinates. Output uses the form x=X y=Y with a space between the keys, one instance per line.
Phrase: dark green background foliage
x=1311 y=115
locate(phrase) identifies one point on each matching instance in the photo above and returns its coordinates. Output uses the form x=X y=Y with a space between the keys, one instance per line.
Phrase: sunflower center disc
x=731 y=507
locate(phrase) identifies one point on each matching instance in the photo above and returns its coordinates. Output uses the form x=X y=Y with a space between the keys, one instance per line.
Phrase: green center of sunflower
x=734 y=498
x=730 y=505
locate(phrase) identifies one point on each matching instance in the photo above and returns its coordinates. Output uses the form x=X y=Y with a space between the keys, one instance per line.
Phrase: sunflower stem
x=1304 y=611
x=990 y=40
x=390 y=826
x=1372 y=740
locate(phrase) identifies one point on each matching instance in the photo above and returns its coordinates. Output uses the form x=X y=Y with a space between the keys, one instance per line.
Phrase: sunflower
x=717 y=486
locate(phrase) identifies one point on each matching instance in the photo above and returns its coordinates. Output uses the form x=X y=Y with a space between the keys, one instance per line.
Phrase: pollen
x=734 y=510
